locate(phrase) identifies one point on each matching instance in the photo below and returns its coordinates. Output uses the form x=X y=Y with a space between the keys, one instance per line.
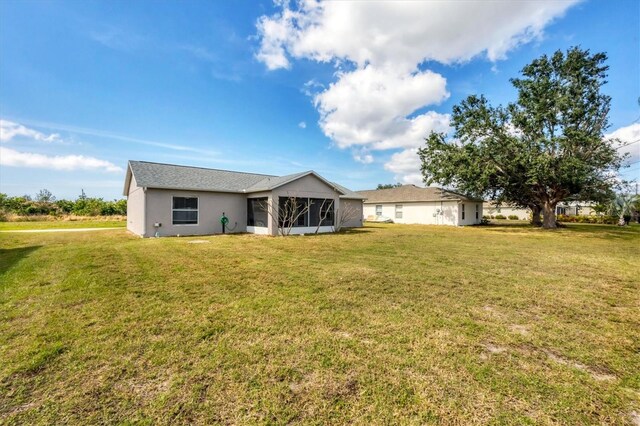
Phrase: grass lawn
x=383 y=325
x=61 y=224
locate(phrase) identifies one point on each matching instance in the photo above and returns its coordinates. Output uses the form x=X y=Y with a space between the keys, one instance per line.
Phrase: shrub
x=500 y=216
x=513 y=217
x=608 y=220
x=486 y=217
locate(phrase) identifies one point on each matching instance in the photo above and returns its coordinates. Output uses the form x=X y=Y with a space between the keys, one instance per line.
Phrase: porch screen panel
x=321 y=207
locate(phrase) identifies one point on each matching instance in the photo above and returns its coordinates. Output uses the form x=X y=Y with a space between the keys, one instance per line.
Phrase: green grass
x=388 y=324
x=61 y=224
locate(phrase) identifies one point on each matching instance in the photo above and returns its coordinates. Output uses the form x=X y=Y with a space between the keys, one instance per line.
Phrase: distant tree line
x=44 y=203
x=389 y=185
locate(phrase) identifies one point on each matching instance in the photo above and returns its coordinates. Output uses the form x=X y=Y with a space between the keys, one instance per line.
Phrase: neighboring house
x=429 y=206
x=506 y=210
x=167 y=199
x=569 y=208
x=576 y=208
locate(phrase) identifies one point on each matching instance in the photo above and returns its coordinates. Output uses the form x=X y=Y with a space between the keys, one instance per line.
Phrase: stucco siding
x=135 y=208
x=469 y=213
x=523 y=214
x=356 y=207
x=211 y=205
x=427 y=212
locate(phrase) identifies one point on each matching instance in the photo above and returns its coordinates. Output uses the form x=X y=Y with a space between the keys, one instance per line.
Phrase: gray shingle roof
x=171 y=176
x=411 y=193
x=270 y=182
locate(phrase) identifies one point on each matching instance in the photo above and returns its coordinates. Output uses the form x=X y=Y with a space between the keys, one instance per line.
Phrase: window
x=477 y=211
x=398 y=211
x=185 y=210
x=561 y=210
x=257 y=212
x=379 y=210
x=321 y=208
x=462 y=211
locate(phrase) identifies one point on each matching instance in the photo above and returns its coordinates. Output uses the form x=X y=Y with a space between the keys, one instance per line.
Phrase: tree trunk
x=549 y=215
x=536 y=220
x=621 y=221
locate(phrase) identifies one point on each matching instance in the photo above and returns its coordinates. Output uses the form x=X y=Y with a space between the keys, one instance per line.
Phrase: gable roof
x=412 y=193
x=171 y=176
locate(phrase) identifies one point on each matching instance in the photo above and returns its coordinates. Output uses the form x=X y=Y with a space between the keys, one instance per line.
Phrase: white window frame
x=477 y=211
x=378 y=205
x=185 y=210
x=462 y=211
x=398 y=211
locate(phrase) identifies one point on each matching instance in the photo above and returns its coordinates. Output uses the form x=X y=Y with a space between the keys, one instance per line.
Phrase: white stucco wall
x=523 y=214
x=426 y=213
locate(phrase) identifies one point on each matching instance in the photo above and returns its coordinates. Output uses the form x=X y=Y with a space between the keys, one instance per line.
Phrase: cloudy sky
x=348 y=89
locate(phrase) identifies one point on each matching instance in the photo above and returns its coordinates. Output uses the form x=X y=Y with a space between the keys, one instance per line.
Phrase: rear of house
x=428 y=206
x=168 y=200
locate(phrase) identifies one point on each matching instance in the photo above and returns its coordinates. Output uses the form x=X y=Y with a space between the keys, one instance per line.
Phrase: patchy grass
x=385 y=324
x=61 y=224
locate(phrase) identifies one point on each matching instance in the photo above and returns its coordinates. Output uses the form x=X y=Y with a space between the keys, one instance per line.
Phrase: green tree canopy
x=388 y=185
x=546 y=147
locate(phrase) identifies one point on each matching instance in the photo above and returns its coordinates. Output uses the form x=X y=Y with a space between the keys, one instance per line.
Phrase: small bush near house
x=513 y=217
x=486 y=217
x=607 y=220
x=500 y=216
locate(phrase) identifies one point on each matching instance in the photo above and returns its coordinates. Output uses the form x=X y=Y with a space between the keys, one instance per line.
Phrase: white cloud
x=402 y=34
x=10 y=130
x=362 y=156
x=406 y=166
x=629 y=136
x=378 y=103
x=369 y=107
x=10 y=157
x=302 y=125
x=110 y=135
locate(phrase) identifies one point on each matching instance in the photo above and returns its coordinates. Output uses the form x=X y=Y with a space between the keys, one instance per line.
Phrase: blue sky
x=272 y=88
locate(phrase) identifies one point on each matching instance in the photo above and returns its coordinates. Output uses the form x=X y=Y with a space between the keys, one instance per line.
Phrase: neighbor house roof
x=412 y=193
x=171 y=176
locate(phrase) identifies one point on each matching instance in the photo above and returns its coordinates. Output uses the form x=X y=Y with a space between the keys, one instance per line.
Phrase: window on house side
x=477 y=211
x=184 y=211
x=379 y=210
x=462 y=211
x=398 y=211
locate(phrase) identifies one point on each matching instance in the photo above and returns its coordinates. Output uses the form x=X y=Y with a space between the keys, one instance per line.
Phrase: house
x=569 y=208
x=168 y=199
x=576 y=208
x=429 y=206
x=492 y=210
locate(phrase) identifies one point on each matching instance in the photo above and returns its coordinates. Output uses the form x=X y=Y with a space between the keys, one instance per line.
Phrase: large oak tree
x=546 y=147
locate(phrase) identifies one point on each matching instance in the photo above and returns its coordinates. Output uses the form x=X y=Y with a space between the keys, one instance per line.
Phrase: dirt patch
x=634 y=416
x=520 y=329
x=597 y=374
